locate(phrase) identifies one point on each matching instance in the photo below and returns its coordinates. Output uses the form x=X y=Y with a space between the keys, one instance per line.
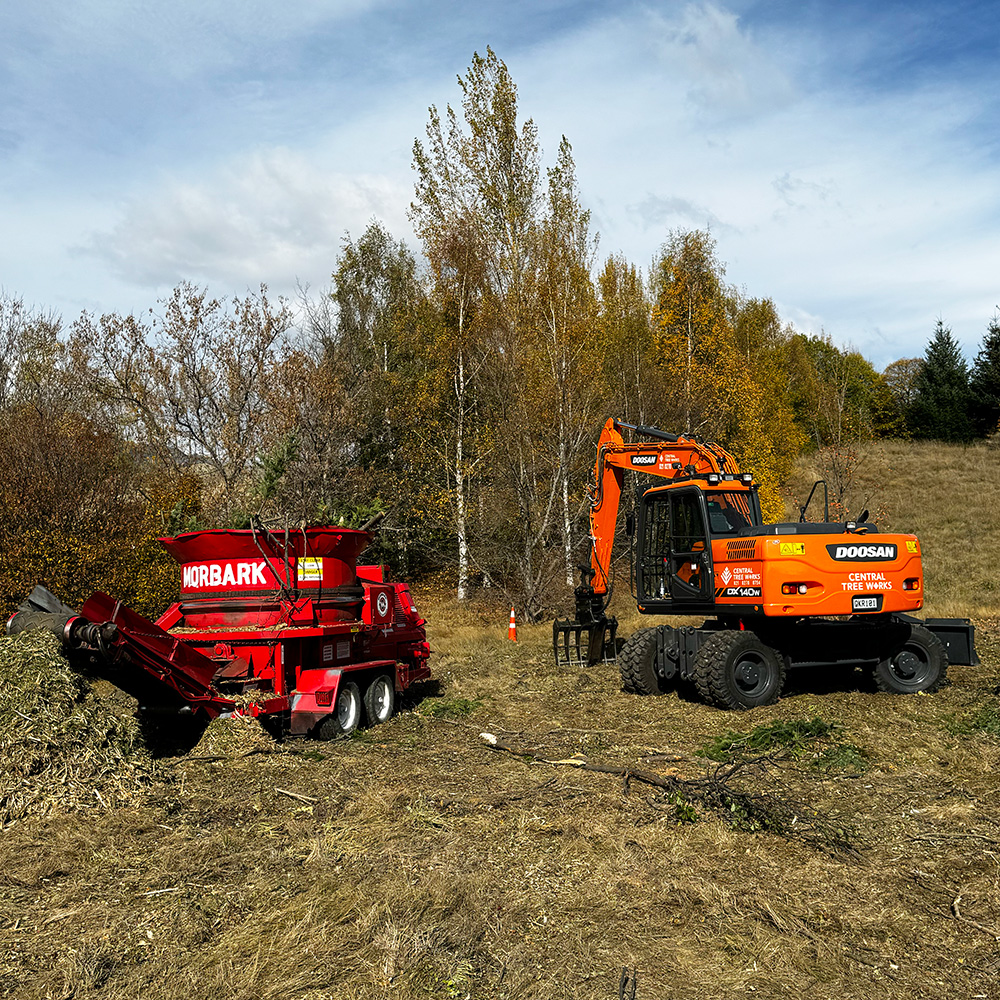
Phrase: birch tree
x=567 y=315
x=474 y=212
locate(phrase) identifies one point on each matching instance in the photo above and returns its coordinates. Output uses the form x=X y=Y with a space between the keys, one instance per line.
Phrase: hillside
x=947 y=495
x=840 y=844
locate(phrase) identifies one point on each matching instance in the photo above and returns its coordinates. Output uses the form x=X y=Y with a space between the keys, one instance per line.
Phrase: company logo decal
x=212 y=575
x=382 y=603
x=644 y=460
x=862 y=553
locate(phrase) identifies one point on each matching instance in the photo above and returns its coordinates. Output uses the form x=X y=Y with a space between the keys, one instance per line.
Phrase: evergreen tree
x=941 y=400
x=985 y=382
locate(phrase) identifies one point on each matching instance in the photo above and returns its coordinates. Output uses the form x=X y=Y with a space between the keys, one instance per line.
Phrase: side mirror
x=630 y=523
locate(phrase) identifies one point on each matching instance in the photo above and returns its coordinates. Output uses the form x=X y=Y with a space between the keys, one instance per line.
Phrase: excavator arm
x=591 y=635
x=672 y=456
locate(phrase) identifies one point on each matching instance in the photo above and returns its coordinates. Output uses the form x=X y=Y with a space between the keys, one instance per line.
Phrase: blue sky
x=844 y=154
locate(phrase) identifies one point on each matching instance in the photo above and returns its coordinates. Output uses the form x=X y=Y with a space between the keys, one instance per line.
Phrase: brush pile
x=61 y=748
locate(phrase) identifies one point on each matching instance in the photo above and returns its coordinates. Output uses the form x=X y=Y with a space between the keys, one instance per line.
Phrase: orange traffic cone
x=512 y=630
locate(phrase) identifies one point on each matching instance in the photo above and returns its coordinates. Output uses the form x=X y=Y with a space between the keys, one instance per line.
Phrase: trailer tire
x=345 y=716
x=921 y=665
x=734 y=669
x=380 y=700
x=637 y=664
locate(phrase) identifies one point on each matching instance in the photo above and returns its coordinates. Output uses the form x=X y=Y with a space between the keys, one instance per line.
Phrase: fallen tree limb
x=295 y=795
x=743 y=809
x=995 y=934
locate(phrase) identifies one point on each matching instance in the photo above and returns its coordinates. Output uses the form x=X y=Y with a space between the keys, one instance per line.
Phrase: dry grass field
x=840 y=844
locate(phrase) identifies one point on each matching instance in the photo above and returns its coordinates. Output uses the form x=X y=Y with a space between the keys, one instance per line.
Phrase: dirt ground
x=414 y=860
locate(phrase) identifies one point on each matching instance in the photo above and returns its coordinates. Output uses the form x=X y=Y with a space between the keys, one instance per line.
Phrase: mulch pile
x=61 y=748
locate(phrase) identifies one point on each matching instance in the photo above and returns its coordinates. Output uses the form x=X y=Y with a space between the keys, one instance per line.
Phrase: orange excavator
x=783 y=596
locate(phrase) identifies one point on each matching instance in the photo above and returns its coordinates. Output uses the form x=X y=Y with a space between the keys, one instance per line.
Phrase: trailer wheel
x=921 y=665
x=380 y=700
x=637 y=663
x=734 y=669
x=346 y=713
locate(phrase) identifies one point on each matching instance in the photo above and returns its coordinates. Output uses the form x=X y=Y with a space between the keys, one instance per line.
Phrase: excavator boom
x=591 y=636
x=672 y=456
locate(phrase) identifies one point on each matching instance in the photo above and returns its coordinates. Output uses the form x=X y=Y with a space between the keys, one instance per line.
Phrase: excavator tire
x=921 y=665
x=637 y=663
x=734 y=669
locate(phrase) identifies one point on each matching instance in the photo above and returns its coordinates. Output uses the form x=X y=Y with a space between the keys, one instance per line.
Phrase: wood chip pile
x=61 y=748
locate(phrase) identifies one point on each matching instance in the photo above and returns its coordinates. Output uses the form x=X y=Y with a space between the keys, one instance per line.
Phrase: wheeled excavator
x=780 y=596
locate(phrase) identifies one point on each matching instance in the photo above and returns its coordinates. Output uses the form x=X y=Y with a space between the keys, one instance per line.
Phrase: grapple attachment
x=588 y=639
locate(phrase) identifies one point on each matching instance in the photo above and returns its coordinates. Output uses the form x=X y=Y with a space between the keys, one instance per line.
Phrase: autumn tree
x=566 y=314
x=693 y=336
x=474 y=210
x=724 y=356
x=900 y=378
x=73 y=489
x=191 y=385
x=761 y=432
x=624 y=342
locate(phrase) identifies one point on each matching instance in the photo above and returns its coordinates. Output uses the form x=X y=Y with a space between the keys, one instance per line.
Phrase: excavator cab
x=674 y=557
x=676 y=525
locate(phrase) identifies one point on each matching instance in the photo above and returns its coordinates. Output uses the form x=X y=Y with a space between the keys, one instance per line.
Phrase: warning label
x=310 y=570
x=792 y=548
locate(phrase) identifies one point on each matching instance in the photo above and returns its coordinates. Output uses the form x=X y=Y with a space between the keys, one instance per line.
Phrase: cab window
x=727 y=513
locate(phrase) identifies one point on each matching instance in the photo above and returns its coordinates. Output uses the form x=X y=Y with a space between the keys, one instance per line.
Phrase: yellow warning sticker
x=911 y=546
x=310 y=570
x=793 y=548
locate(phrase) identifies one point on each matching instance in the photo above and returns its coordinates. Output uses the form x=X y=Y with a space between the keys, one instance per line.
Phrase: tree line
x=458 y=389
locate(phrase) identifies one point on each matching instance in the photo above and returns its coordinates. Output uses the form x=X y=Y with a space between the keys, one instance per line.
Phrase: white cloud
x=719 y=65
x=277 y=218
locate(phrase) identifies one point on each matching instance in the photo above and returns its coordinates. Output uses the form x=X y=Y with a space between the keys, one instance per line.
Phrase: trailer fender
x=313 y=698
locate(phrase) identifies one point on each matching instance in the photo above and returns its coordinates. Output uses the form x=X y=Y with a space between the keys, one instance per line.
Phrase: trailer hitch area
x=589 y=638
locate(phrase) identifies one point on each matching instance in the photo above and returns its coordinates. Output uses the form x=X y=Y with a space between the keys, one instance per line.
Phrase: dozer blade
x=579 y=644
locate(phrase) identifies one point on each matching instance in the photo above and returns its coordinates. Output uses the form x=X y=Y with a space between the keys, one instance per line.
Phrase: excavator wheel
x=345 y=716
x=637 y=663
x=921 y=665
x=734 y=669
